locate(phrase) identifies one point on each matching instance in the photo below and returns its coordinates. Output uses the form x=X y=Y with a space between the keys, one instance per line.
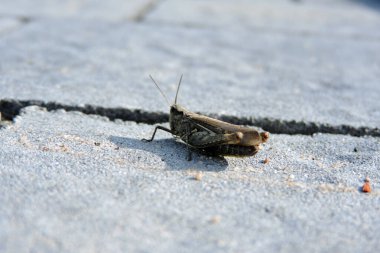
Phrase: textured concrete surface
x=9 y=24
x=326 y=18
x=310 y=78
x=111 y=10
x=71 y=182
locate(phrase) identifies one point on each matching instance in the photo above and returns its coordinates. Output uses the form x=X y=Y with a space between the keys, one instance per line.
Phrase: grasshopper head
x=175 y=117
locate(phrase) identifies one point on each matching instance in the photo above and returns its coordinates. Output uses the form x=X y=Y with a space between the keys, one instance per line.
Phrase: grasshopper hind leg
x=231 y=150
x=154 y=133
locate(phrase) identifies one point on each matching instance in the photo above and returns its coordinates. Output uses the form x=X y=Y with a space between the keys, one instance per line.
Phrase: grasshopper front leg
x=154 y=133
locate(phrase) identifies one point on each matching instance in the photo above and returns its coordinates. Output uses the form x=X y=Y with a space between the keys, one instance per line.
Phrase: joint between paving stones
x=10 y=108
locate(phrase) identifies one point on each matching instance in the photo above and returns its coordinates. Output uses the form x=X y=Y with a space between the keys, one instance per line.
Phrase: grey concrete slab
x=335 y=18
x=72 y=182
x=9 y=24
x=259 y=74
x=111 y=10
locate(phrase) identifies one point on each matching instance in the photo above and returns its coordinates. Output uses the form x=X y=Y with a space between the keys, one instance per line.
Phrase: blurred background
x=293 y=60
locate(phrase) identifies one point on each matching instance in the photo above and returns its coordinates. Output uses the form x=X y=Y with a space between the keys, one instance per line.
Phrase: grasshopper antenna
x=158 y=87
x=176 y=94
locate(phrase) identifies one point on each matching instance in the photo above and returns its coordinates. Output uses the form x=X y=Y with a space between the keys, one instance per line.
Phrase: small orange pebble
x=266 y=161
x=198 y=176
x=366 y=186
x=215 y=219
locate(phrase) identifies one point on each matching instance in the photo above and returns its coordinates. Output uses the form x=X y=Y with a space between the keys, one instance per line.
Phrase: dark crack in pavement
x=10 y=108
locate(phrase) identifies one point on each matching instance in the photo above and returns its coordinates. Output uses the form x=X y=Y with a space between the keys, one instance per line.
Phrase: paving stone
x=258 y=74
x=9 y=24
x=72 y=182
x=112 y=10
x=332 y=18
x=77 y=183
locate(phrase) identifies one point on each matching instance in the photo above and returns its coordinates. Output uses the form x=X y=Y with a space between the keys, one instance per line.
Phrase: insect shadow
x=172 y=152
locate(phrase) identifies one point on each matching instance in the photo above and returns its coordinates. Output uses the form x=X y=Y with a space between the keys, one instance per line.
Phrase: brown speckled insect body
x=209 y=135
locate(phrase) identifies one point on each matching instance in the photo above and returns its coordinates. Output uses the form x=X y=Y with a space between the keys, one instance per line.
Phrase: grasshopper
x=211 y=136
